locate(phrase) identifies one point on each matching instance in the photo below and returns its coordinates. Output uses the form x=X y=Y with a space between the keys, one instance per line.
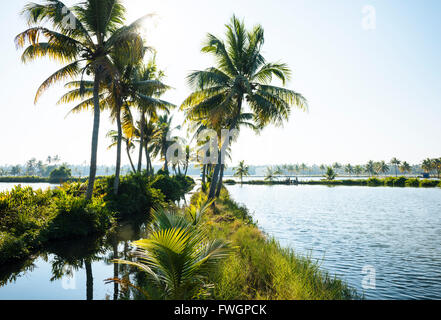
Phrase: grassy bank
x=260 y=268
x=371 y=182
x=31 y=219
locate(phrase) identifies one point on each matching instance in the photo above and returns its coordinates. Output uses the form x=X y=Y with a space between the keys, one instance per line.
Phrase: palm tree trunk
x=220 y=183
x=141 y=143
x=115 y=271
x=204 y=170
x=215 y=177
x=95 y=135
x=130 y=158
x=118 y=151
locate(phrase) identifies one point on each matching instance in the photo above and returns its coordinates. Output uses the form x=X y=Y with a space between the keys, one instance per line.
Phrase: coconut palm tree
x=349 y=169
x=405 y=168
x=370 y=168
x=240 y=78
x=269 y=175
x=82 y=37
x=242 y=171
x=358 y=169
x=395 y=162
x=330 y=174
x=165 y=139
x=382 y=167
x=128 y=141
x=427 y=165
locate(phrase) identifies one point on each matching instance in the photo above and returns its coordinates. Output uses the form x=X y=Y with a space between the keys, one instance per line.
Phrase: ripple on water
x=395 y=230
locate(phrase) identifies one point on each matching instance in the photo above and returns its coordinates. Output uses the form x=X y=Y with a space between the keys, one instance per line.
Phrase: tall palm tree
x=395 y=162
x=95 y=28
x=358 y=169
x=242 y=171
x=241 y=75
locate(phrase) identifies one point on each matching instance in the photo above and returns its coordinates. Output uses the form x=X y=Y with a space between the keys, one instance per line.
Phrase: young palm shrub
x=177 y=257
x=330 y=174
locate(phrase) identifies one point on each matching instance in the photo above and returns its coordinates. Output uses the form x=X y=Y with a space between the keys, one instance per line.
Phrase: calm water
x=397 y=231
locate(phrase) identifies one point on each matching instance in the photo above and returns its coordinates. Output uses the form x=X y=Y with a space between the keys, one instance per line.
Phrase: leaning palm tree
x=241 y=171
x=81 y=37
x=269 y=175
x=240 y=78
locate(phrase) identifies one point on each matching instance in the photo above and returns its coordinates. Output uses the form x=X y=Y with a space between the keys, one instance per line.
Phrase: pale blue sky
x=373 y=94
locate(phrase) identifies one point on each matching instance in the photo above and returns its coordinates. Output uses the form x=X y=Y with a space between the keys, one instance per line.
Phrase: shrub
x=428 y=183
x=389 y=181
x=400 y=182
x=77 y=217
x=374 y=182
x=413 y=182
x=60 y=174
x=230 y=182
x=135 y=196
x=173 y=188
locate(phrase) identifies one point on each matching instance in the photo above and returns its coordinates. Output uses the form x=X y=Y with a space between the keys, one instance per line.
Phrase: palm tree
x=95 y=30
x=164 y=139
x=358 y=169
x=242 y=171
x=269 y=176
x=241 y=75
x=349 y=169
x=427 y=165
x=396 y=163
x=405 y=168
x=128 y=141
x=382 y=167
x=337 y=166
x=330 y=174
x=303 y=167
x=370 y=168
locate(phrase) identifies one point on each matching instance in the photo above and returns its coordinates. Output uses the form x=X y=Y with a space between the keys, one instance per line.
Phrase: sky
x=374 y=89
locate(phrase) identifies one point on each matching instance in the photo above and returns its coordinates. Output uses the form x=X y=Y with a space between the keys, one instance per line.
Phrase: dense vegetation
x=249 y=265
x=31 y=218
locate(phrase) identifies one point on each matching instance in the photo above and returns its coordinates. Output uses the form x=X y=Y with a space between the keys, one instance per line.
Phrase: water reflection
x=75 y=269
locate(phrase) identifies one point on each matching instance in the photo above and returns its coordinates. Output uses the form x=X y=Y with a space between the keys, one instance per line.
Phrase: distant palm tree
x=427 y=165
x=330 y=174
x=405 y=168
x=358 y=169
x=95 y=30
x=382 y=167
x=395 y=162
x=337 y=166
x=128 y=141
x=303 y=167
x=269 y=176
x=370 y=168
x=242 y=171
x=165 y=139
x=349 y=169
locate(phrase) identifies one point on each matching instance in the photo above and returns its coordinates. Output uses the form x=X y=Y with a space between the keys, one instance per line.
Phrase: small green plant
x=330 y=174
x=413 y=182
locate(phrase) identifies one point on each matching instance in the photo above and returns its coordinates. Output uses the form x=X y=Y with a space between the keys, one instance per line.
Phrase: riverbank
x=32 y=219
x=260 y=268
x=371 y=182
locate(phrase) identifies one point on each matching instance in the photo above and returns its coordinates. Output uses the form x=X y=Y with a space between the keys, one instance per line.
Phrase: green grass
x=260 y=268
